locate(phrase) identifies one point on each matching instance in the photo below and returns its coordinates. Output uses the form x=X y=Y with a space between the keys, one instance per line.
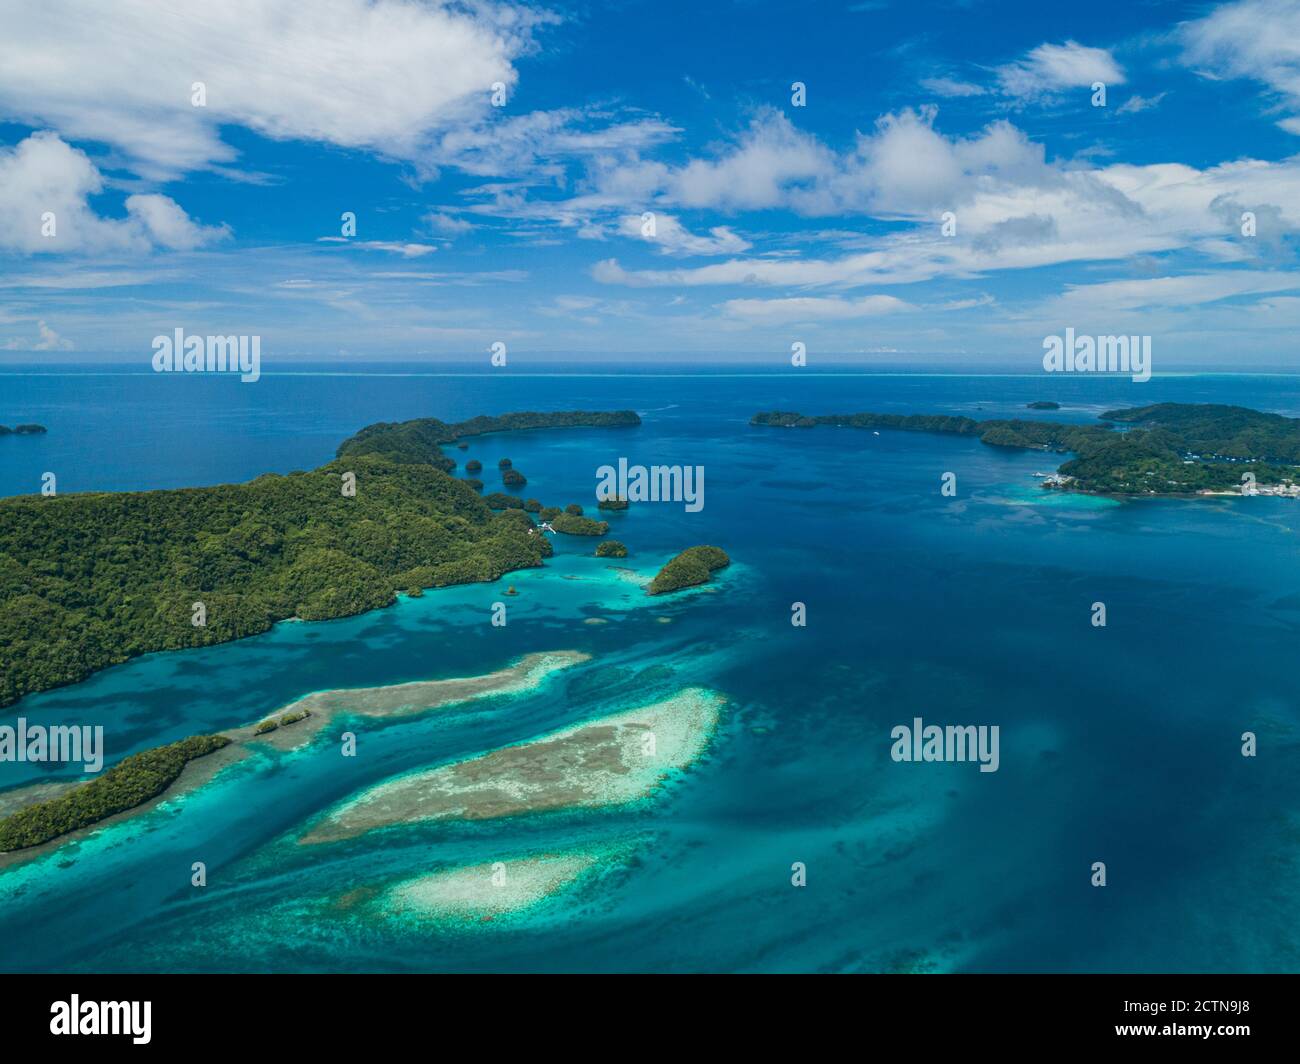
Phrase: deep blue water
x=1119 y=744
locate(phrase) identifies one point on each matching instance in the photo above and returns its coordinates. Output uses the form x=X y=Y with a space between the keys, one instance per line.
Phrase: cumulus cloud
x=46 y=340
x=1053 y=68
x=1113 y=213
x=379 y=75
x=903 y=168
x=45 y=188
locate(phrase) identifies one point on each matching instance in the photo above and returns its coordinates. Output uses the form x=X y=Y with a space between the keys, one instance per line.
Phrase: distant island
x=91 y=580
x=419 y=441
x=1043 y=404
x=694 y=566
x=23 y=430
x=1162 y=449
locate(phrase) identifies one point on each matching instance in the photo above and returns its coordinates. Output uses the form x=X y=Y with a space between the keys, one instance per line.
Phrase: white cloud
x=1135 y=104
x=167 y=225
x=537 y=143
x=1053 y=68
x=406 y=250
x=772 y=160
x=1190 y=290
x=378 y=75
x=811 y=308
x=1113 y=213
x=445 y=224
x=903 y=168
x=47 y=340
x=951 y=87
x=1251 y=39
x=45 y=186
x=672 y=238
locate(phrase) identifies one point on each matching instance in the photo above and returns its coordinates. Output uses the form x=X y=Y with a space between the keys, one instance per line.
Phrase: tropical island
x=1043 y=404
x=1162 y=449
x=690 y=568
x=23 y=430
x=129 y=783
x=93 y=579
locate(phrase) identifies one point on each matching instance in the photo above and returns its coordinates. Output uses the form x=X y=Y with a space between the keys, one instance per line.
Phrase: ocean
x=1119 y=745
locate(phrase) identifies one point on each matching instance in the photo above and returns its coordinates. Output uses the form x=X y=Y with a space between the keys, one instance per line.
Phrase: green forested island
x=418 y=441
x=692 y=567
x=1162 y=449
x=93 y=579
x=22 y=430
x=131 y=782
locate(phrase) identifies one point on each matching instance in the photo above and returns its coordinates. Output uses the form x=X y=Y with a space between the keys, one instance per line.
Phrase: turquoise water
x=1119 y=744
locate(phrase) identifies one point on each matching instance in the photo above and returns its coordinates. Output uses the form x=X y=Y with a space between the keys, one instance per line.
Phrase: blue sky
x=773 y=223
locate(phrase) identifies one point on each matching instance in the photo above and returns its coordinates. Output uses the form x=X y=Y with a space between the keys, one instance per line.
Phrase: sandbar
x=608 y=761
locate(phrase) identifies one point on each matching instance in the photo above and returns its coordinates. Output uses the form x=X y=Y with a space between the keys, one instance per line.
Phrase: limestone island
x=609 y=761
x=1043 y=404
x=23 y=430
x=385 y=516
x=694 y=566
x=1164 y=449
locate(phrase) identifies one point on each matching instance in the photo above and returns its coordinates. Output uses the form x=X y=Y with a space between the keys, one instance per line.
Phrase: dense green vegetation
x=91 y=580
x=1043 y=404
x=22 y=430
x=612 y=504
x=131 y=782
x=611 y=548
x=473 y=466
x=690 y=568
x=418 y=441
x=500 y=501
x=1168 y=448
x=573 y=508
x=512 y=478
x=573 y=525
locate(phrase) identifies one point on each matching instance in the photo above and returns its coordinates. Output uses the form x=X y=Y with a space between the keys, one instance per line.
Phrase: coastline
x=399 y=700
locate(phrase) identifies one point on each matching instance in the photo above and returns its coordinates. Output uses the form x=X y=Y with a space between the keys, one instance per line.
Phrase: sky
x=902 y=183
